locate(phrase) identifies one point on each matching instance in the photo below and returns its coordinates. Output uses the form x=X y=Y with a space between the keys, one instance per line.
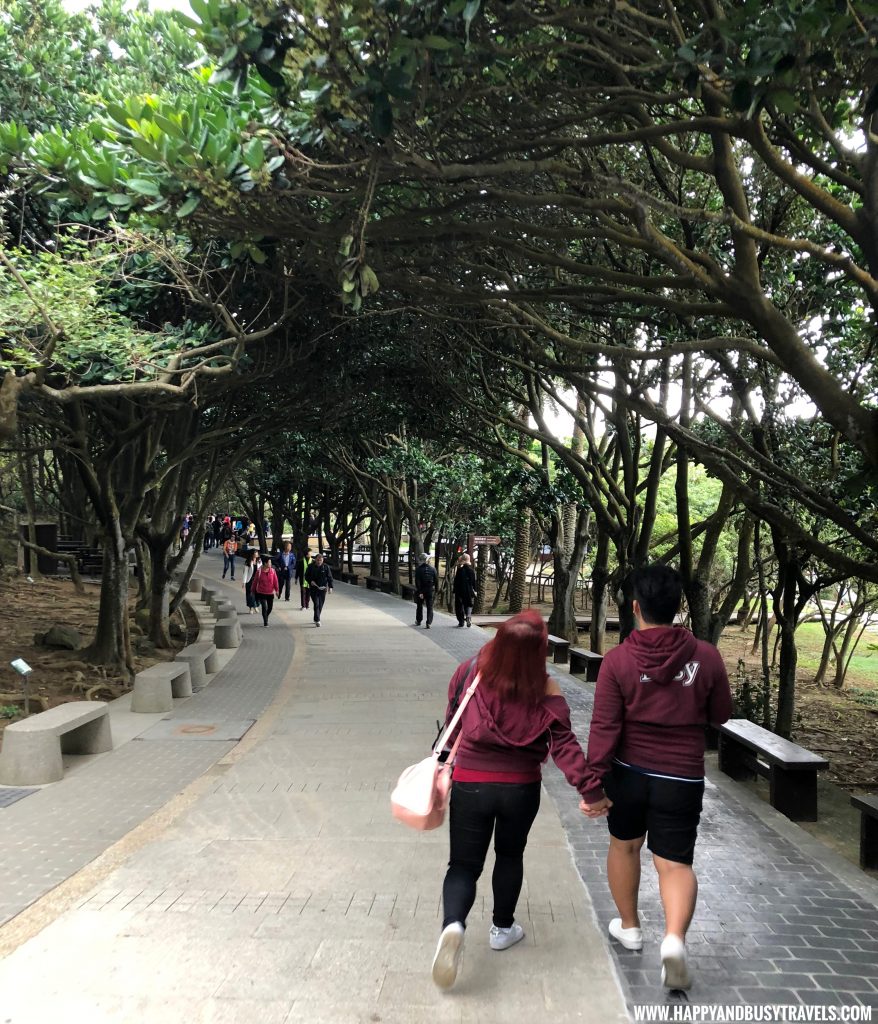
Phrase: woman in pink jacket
x=265 y=587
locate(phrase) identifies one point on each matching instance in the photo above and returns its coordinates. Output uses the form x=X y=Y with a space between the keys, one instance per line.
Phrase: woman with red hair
x=514 y=720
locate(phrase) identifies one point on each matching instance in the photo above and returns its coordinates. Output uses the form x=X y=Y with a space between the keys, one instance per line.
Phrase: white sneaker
x=675 y=970
x=630 y=938
x=446 y=962
x=503 y=938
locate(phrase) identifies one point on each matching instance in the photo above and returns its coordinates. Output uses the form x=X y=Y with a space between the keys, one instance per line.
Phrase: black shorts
x=666 y=811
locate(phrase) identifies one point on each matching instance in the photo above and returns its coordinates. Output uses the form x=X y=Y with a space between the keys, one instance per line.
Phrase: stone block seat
x=207 y=592
x=156 y=687
x=227 y=633
x=378 y=583
x=202 y=660
x=408 y=591
x=32 y=748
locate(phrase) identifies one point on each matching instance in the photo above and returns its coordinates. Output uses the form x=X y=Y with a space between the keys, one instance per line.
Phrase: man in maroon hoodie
x=655 y=694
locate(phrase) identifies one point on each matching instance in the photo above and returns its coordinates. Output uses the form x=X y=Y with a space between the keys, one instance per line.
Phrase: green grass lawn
x=863 y=671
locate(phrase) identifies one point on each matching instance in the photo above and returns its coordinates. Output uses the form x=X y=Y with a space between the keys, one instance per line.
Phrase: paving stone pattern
x=772 y=924
x=46 y=839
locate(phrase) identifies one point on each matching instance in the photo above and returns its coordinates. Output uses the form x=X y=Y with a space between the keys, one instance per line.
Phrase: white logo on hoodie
x=686 y=675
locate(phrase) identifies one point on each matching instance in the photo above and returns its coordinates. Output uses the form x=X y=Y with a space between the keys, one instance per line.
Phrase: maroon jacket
x=655 y=693
x=508 y=736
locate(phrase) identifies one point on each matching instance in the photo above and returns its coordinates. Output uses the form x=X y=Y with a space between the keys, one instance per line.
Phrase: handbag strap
x=440 y=746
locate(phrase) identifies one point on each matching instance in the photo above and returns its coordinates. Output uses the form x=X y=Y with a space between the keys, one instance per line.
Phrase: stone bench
x=350 y=577
x=32 y=748
x=227 y=633
x=156 y=687
x=583 y=661
x=746 y=749
x=202 y=660
x=559 y=648
x=195 y=585
x=378 y=583
x=207 y=592
x=408 y=591
x=868 y=808
x=217 y=600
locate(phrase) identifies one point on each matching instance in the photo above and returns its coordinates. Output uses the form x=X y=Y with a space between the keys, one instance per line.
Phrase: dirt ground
x=58 y=676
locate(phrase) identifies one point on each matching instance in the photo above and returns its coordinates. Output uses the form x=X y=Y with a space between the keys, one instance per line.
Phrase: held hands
x=596 y=810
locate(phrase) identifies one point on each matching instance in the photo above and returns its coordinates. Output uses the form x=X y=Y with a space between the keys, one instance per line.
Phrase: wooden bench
x=32 y=748
x=746 y=749
x=868 y=808
x=156 y=687
x=378 y=583
x=409 y=591
x=202 y=660
x=583 y=661
x=559 y=649
x=350 y=577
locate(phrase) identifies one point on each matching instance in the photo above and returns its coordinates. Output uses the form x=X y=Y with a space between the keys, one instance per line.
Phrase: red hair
x=513 y=664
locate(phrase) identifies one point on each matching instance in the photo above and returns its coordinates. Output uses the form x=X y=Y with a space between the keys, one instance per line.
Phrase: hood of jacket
x=492 y=720
x=660 y=653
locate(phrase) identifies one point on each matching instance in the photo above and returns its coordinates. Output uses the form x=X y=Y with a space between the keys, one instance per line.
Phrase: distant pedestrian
x=230 y=547
x=208 y=532
x=226 y=531
x=285 y=564
x=217 y=526
x=301 y=568
x=319 y=579
x=655 y=693
x=517 y=717
x=464 y=591
x=265 y=587
x=250 y=562
x=426 y=582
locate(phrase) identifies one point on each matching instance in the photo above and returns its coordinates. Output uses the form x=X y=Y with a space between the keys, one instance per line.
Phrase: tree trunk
x=562 y=620
x=482 y=579
x=159 y=625
x=112 y=642
x=521 y=558
x=600 y=578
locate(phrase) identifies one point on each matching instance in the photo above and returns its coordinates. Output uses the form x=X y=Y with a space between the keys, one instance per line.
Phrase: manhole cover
x=187 y=729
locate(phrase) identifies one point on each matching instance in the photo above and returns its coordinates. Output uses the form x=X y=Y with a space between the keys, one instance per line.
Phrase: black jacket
x=465 y=585
x=318 y=576
x=426 y=579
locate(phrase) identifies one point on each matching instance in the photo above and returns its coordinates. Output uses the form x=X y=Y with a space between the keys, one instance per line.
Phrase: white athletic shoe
x=446 y=962
x=675 y=969
x=630 y=938
x=503 y=938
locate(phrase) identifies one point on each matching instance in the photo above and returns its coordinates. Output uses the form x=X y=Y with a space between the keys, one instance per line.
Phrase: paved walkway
x=276 y=888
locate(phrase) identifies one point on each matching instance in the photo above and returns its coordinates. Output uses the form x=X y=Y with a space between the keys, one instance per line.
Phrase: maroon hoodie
x=515 y=738
x=655 y=693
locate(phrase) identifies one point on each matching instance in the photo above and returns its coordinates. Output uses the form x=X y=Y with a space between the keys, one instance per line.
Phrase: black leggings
x=267 y=602
x=479 y=809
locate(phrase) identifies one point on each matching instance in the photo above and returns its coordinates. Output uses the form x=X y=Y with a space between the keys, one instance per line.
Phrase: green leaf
x=143 y=186
x=119 y=199
x=254 y=154
x=275 y=162
x=190 y=206
x=438 y=43
x=344 y=246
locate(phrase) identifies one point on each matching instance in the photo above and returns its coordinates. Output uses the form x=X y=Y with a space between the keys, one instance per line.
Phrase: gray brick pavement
x=773 y=925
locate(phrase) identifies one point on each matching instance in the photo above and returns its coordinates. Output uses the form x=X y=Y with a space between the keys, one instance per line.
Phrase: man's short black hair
x=658 y=590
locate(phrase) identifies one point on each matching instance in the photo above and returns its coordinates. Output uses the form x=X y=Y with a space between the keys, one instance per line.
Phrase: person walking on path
x=464 y=591
x=319 y=579
x=266 y=587
x=426 y=582
x=301 y=568
x=250 y=563
x=229 y=548
x=285 y=564
x=514 y=720
x=654 y=695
